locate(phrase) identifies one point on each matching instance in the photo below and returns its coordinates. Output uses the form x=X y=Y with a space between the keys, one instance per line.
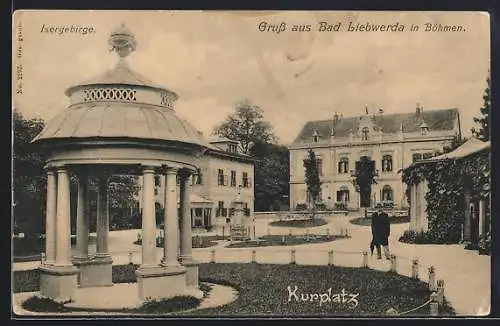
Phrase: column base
x=96 y=272
x=156 y=283
x=58 y=283
x=191 y=266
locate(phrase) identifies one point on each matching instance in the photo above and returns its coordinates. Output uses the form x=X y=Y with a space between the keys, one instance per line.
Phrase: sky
x=214 y=59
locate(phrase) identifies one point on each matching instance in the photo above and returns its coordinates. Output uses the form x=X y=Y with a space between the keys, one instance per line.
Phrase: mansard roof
x=436 y=120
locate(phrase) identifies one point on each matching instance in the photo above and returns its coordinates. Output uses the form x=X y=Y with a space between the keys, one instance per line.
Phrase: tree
x=247 y=126
x=483 y=133
x=271 y=175
x=256 y=138
x=312 y=179
x=29 y=179
x=364 y=178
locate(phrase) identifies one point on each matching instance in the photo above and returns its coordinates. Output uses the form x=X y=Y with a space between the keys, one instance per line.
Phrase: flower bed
x=287 y=240
x=299 y=223
x=199 y=241
x=414 y=237
x=368 y=221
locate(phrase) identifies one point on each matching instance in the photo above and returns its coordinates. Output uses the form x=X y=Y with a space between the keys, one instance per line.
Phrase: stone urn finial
x=122 y=41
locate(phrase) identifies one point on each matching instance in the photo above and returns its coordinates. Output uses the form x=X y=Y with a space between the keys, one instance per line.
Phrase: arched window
x=387 y=163
x=387 y=193
x=364 y=133
x=343 y=194
x=343 y=165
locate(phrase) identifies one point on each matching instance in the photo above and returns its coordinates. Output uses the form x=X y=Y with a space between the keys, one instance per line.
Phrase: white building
x=392 y=141
x=223 y=169
x=477 y=222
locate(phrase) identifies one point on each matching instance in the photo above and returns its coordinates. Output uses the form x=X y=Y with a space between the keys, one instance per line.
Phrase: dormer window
x=315 y=136
x=232 y=148
x=424 y=129
x=365 y=133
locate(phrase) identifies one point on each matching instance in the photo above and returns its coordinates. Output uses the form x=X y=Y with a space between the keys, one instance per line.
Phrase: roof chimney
x=335 y=118
x=419 y=109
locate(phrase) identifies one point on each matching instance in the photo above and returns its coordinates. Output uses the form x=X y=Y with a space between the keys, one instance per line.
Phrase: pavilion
x=119 y=123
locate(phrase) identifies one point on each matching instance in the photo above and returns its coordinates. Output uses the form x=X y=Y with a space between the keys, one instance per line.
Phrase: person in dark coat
x=381 y=229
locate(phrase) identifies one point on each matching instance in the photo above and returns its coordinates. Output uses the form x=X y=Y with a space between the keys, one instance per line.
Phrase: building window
x=220 y=177
x=319 y=166
x=220 y=208
x=233 y=178
x=157 y=180
x=199 y=179
x=364 y=133
x=387 y=193
x=232 y=148
x=315 y=139
x=417 y=157
x=387 y=163
x=426 y=156
x=343 y=165
x=245 y=180
x=343 y=195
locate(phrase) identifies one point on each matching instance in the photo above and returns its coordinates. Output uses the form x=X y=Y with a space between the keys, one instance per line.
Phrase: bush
x=169 y=305
x=37 y=304
x=415 y=237
x=320 y=206
x=340 y=206
x=484 y=245
x=301 y=207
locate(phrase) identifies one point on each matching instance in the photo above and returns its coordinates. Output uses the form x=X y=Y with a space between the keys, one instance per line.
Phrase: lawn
x=263 y=290
x=300 y=223
x=29 y=249
x=368 y=221
x=287 y=240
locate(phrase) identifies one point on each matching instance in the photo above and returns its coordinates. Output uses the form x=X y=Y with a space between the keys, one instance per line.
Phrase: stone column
x=186 y=256
x=413 y=207
x=171 y=221
x=467 y=236
x=185 y=208
x=102 y=218
x=148 y=218
x=63 y=226
x=58 y=281
x=51 y=211
x=161 y=198
x=482 y=216
x=82 y=219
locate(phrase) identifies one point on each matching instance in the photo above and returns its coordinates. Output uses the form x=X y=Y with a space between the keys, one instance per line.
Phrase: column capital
x=184 y=174
x=148 y=169
x=62 y=169
x=50 y=170
x=171 y=170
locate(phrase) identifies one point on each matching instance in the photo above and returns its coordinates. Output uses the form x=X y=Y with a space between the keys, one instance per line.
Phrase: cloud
x=213 y=60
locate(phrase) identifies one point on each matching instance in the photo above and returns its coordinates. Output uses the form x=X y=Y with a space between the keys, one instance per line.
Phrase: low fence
x=360 y=259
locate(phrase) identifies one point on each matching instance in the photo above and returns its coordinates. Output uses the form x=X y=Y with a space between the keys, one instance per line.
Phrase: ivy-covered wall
x=448 y=182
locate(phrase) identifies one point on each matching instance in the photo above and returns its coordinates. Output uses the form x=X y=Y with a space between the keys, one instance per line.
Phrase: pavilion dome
x=121 y=104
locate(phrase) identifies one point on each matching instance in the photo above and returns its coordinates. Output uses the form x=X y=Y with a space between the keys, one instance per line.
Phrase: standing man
x=386 y=229
x=381 y=229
